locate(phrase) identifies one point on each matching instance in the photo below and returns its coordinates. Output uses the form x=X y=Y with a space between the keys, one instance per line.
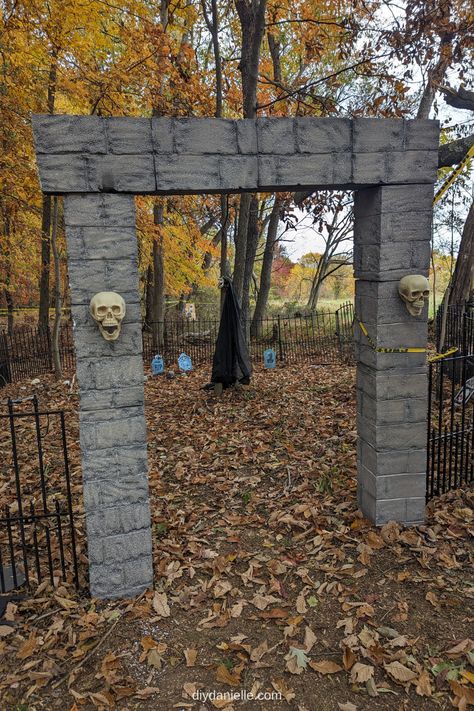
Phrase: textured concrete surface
x=99 y=163
x=201 y=155
x=102 y=250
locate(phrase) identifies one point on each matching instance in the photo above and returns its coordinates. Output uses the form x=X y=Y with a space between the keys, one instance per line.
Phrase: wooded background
x=244 y=58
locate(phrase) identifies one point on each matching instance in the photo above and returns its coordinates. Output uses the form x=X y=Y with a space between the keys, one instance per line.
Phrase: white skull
x=108 y=309
x=414 y=290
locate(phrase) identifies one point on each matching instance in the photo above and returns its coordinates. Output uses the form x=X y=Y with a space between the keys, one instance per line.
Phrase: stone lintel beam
x=79 y=154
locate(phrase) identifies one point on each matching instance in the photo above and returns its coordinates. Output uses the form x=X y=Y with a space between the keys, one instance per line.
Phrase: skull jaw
x=107 y=333
x=415 y=308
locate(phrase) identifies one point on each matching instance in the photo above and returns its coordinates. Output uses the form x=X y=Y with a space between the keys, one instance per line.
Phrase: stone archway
x=98 y=164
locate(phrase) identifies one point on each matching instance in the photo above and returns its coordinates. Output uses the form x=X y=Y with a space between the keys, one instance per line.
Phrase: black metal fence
x=459 y=328
x=319 y=337
x=450 y=424
x=37 y=532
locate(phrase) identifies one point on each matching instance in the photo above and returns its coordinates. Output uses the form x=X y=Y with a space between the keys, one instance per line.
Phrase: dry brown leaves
x=266 y=575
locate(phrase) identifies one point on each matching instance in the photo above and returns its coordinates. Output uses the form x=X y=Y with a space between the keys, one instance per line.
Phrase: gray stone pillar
x=102 y=250
x=391 y=239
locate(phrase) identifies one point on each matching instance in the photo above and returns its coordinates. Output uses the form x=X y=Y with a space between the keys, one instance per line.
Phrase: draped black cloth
x=231 y=362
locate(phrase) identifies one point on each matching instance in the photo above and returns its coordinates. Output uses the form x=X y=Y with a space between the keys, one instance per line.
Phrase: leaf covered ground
x=267 y=578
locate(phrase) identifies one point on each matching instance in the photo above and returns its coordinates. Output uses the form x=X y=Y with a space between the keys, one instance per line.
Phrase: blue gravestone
x=184 y=362
x=269 y=358
x=157 y=365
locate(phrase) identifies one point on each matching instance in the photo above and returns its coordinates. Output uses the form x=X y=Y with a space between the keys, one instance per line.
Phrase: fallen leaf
x=5 y=630
x=259 y=651
x=399 y=672
x=433 y=599
x=309 y=639
x=279 y=684
x=296 y=660
x=348 y=706
x=360 y=673
x=160 y=604
x=190 y=656
x=28 y=647
x=263 y=601
x=221 y=588
x=226 y=677
x=463 y=647
x=423 y=685
x=325 y=666
x=147 y=691
x=154 y=659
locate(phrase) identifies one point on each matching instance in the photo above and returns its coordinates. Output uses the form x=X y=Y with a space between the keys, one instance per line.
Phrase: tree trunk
x=252 y=243
x=158 y=282
x=266 y=274
x=43 y=316
x=149 y=297
x=57 y=292
x=252 y=22
x=241 y=244
x=460 y=284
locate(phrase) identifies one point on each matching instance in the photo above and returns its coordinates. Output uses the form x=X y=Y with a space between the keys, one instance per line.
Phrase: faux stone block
x=394 y=436
x=365 y=355
x=383 y=412
x=412 y=167
x=372 y=135
x=197 y=136
x=126 y=427
x=69 y=134
x=113 y=397
x=137 y=571
x=129 y=135
x=291 y=172
x=276 y=135
x=126 y=546
x=393 y=227
x=323 y=135
x=66 y=173
x=194 y=174
x=98 y=243
x=404 y=461
x=238 y=172
x=104 y=374
x=421 y=135
x=121 y=173
x=162 y=134
x=381 y=511
x=90 y=343
x=393 y=199
x=90 y=277
x=118 y=519
x=123 y=466
x=247 y=136
x=405 y=383
x=99 y=211
x=394 y=486
x=389 y=261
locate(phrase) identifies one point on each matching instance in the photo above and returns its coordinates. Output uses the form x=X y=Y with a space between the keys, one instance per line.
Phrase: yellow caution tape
x=387 y=350
x=437 y=356
x=452 y=176
x=446 y=354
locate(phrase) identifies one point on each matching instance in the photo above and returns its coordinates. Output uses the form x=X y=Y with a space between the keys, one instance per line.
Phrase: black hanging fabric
x=231 y=362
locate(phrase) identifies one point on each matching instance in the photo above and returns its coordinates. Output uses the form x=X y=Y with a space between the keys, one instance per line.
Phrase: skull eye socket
x=116 y=310
x=426 y=293
x=102 y=310
x=416 y=294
